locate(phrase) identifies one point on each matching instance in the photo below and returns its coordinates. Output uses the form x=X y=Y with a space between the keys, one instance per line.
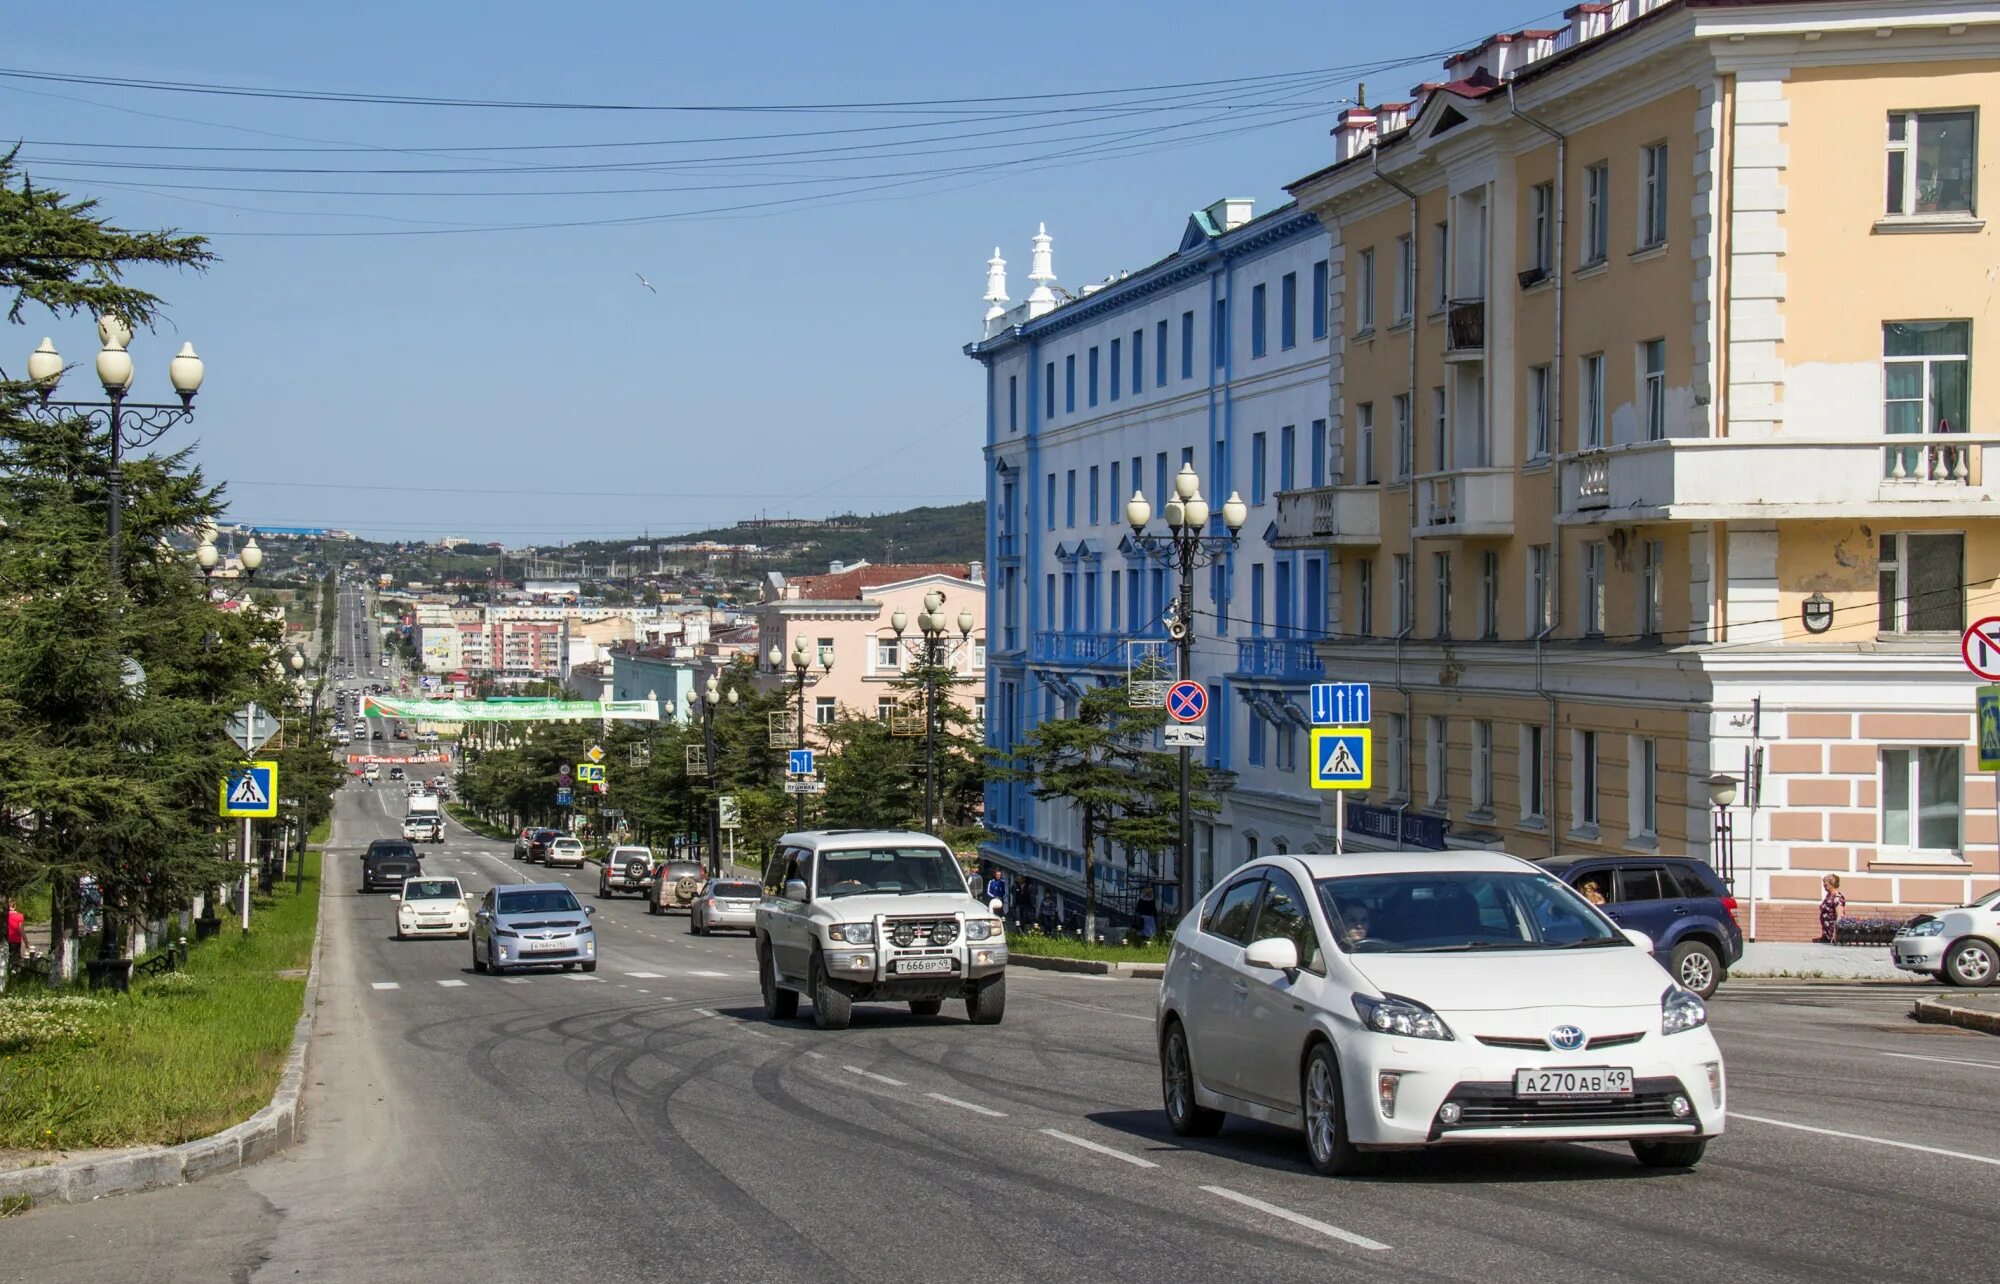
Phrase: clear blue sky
x=522 y=384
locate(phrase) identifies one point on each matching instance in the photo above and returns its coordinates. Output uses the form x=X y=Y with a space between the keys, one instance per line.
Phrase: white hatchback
x=1399 y=1000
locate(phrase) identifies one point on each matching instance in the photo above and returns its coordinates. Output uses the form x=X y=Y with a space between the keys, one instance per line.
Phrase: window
x=1134 y=606
x=1318 y=470
x=826 y=651
x=1402 y=572
x=979 y=710
x=1364 y=431
x=885 y=707
x=1591 y=430
x=1288 y=449
x=1653 y=387
x=1288 y=310
x=1584 y=751
x=1234 y=908
x=1049 y=411
x=979 y=653
x=1117 y=602
x=1920 y=799
x=1286 y=737
x=1542 y=224
x=1653 y=196
x=1405 y=448
x=1069 y=384
x=1257 y=599
x=1489 y=594
x=1920 y=584
x=1254 y=739
x=1441 y=254
x=825 y=710
x=1090 y=601
x=1932 y=162
x=1392 y=756
x=1531 y=768
x=1434 y=762
x=1069 y=599
x=1093 y=495
x=1482 y=768
x=1596 y=213
x=1049 y=603
x=1440 y=433
x=1593 y=588
x=1642 y=761
x=1281 y=598
x=1159 y=356
x=1652 y=568
x=1093 y=376
x=1138 y=360
x=889 y=651
x=1538 y=412
x=1013 y=403
x=1187 y=345
x=1115 y=496
x=1319 y=300
x=1538 y=589
x=1406 y=278
x=1924 y=370
x=1364 y=599
x=1441 y=578
x=1069 y=498
x=1117 y=367
x=1257 y=336
x=1159 y=481
x=1364 y=291
x=1218 y=333
x=1052 y=501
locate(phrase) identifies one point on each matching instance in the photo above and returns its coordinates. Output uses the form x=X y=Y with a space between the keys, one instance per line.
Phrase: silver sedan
x=725 y=905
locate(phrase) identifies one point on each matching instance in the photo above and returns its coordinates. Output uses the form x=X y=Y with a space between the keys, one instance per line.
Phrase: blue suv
x=1678 y=901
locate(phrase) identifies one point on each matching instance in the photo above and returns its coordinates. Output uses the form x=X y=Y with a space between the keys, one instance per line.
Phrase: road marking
x=1950 y=1061
x=647 y=976
x=1879 y=1141
x=578 y=976
x=516 y=980
x=879 y=1078
x=717 y=974
x=448 y=984
x=705 y=1012
x=966 y=1105
x=1133 y=1160
x=1299 y=1219
x=386 y=985
x=1091 y=1007
x=817 y=1056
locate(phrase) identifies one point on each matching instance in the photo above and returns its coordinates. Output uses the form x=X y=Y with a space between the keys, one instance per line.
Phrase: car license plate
x=1578 y=1081
x=548 y=947
x=923 y=965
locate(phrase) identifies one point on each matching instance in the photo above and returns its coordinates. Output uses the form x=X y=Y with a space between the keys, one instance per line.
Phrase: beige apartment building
x=1659 y=441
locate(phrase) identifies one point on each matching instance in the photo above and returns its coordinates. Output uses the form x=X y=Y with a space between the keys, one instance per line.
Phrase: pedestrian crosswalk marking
x=385 y=985
x=578 y=976
x=645 y=976
x=448 y=983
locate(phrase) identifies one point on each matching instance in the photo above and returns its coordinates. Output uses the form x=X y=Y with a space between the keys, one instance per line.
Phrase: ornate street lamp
x=802 y=676
x=939 y=647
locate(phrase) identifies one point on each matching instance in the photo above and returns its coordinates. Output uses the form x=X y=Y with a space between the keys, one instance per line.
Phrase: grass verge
x=1067 y=947
x=464 y=816
x=180 y=1057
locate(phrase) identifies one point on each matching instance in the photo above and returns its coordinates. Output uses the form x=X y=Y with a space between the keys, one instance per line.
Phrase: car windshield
x=684 y=869
x=899 y=871
x=626 y=855
x=431 y=889
x=1439 y=911
x=546 y=900
x=736 y=891
x=393 y=850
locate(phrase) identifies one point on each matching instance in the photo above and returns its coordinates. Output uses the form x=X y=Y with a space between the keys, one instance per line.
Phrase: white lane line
x=1092 y=1007
x=817 y=1056
x=578 y=976
x=879 y=1078
x=705 y=1012
x=1299 y=1219
x=385 y=985
x=716 y=974
x=450 y=984
x=966 y=1105
x=1879 y=1141
x=1133 y=1160
x=1950 y=1061
x=646 y=976
x=516 y=980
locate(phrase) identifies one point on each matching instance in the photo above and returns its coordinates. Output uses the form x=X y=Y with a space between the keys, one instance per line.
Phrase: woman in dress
x=1831 y=907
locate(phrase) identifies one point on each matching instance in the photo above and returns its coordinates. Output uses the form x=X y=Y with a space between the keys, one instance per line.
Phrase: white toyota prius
x=1397 y=1000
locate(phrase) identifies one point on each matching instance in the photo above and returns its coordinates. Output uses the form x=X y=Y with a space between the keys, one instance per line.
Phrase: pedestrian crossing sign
x=1988 y=723
x=1340 y=758
x=250 y=790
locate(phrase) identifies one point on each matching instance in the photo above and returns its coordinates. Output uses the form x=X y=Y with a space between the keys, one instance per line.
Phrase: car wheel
x=926 y=1007
x=1696 y=966
x=780 y=1004
x=1670 y=1154
x=1185 y=1115
x=568 y=966
x=987 y=1004
x=1332 y=1154
x=477 y=966
x=832 y=1010
x=590 y=966
x=1971 y=962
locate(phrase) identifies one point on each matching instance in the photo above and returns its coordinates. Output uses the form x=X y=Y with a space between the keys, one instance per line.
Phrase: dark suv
x=387 y=864
x=1680 y=902
x=536 y=849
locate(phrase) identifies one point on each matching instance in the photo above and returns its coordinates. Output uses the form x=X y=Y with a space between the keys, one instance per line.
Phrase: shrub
x=46 y=1019
x=1859 y=930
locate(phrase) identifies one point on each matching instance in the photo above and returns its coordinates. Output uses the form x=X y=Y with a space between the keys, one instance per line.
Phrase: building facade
x=1214 y=356
x=1656 y=448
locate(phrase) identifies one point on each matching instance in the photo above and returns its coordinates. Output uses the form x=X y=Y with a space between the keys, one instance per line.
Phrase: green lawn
x=179 y=1058
x=464 y=816
x=1063 y=947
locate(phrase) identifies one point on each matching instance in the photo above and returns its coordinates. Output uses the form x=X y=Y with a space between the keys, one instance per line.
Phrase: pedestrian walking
x=1831 y=907
x=1147 y=907
x=16 y=938
x=996 y=888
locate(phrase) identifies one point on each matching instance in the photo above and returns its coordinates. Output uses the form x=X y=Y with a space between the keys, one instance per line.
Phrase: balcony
x=1076 y=650
x=1472 y=503
x=1465 y=329
x=1329 y=516
x=1007 y=544
x=1280 y=659
x=1703 y=479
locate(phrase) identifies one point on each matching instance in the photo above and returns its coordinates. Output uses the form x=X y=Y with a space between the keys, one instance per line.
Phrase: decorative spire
x=996 y=287
x=1041 y=270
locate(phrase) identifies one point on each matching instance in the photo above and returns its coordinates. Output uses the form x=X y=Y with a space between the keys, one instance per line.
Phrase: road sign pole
x=1340 y=822
x=247 y=856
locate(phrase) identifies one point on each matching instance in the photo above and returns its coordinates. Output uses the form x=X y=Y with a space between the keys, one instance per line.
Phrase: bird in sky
x=643 y=281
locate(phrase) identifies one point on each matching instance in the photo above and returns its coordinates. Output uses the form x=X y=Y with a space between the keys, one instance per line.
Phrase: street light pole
x=938 y=647
x=1187 y=546
x=711 y=696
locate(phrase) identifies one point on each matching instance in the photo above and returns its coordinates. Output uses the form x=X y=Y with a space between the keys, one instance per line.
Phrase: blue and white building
x=1216 y=355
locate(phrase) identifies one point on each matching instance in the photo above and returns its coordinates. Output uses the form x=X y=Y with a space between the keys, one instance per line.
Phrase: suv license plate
x=923 y=965
x=1580 y=1081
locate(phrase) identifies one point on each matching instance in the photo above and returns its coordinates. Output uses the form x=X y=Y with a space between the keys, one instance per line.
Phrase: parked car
x=1400 y=1000
x=532 y=923
x=432 y=907
x=626 y=869
x=725 y=905
x=1957 y=946
x=1681 y=903
x=389 y=867
x=563 y=850
x=675 y=885
x=538 y=845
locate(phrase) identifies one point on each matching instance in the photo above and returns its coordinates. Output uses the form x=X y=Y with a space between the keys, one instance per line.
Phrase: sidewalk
x=1829 y=962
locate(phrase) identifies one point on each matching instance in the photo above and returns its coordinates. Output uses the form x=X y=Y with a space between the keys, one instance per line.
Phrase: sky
x=410 y=352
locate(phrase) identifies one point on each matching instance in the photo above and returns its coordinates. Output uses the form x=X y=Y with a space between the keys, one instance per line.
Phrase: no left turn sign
x=1981 y=648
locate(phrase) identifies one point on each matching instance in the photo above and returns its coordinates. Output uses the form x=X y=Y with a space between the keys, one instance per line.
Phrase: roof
x=860 y=837
x=1403 y=862
x=1568 y=859
x=841 y=586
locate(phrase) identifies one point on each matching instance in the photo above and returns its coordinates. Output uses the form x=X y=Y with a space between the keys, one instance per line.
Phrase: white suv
x=875 y=916
x=564 y=851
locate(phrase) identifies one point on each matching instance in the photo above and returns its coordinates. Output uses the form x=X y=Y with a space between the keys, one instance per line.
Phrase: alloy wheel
x=1322 y=1103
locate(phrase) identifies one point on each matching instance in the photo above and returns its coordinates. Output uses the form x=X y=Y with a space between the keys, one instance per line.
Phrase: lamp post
x=1722 y=793
x=125 y=423
x=1187 y=546
x=713 y=694
x=938 y=646
x=802 y=676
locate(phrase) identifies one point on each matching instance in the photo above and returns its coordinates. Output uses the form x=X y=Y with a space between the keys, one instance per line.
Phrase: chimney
x=1353 y=133
x=1041 y=270
x=976 y=572
x=1390 y=117
x=1230 y=213
x=835 y=567
x=996 y=289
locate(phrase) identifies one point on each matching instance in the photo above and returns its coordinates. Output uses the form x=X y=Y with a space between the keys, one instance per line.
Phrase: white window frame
x=1595 y=568
x=1912 y=852
x=826 y=711
x=1653 y=194
x=1441 y=247
x=1441 y=580
x=1596 y=214
x=1900 y=198
x=1590 y=431
x=885 y=707
x=1489 y=593
x=1400 y=562
x=1441 y=426
x=1364 y=436
x=1642 y=788
x=1437 y=766
x=1653 y=387
x=1584 y=784
x=1652 y=574
x=1538 y=411
x=1364 y=291
x=1393 y=756
x=1399 y=414
x=1406 y=278
x=1530 y=764
x=1898 y=600
x=1542 y=250
x=1364 y=593
x=1482 y=768
x=889 y=654
x=1538 y=588
x=979 y=710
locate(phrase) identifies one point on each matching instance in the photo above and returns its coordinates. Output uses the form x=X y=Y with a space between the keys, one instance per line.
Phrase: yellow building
x=1627 y=316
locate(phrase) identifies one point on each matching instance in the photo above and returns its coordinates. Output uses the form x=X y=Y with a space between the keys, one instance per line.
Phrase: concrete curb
x=1090 y=967
x=262 y=1135
x=1945 y=1012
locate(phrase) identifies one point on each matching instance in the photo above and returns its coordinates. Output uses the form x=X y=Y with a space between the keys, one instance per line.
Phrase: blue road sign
x=1187 y=701
x=563 y=797
x=801 y=763
x=250 y=789
x=1340 y=758
x=1341 y=704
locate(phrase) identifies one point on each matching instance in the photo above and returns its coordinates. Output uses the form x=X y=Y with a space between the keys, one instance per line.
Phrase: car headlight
x=982 y=929
x=501 y=931
x=1681 y=1010
x=852 y=933
x=1393 y=1014
x=1928 y=927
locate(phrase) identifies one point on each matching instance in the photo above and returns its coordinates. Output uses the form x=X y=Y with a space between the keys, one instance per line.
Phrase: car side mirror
x=589 y=911
x=1278 y=953
x=795 y=889
x=1639 y=939
x=395 y=896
